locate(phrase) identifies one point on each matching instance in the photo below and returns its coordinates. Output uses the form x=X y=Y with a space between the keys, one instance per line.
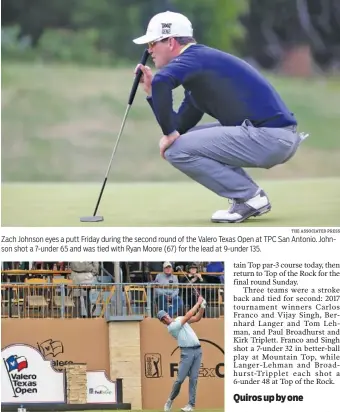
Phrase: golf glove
x=204 y=304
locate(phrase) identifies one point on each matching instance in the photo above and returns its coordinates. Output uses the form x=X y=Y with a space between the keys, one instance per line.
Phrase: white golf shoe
x=188 y=408
x=240 y=211
x=168 y=405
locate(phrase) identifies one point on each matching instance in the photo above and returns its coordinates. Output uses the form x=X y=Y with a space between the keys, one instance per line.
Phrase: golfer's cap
x=193 y=266
x=167 y=265
x=161 y=314
x=164 y=25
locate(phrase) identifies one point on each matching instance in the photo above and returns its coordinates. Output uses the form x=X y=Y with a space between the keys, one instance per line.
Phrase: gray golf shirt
x=185 y=335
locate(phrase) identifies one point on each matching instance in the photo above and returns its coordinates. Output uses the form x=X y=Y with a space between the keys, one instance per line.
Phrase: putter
x=96 y=218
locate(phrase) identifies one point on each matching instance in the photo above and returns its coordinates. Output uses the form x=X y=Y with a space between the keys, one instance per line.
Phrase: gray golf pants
x=189 y=366
x=214 y=155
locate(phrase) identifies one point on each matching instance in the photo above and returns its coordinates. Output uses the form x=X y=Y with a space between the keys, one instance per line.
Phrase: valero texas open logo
x=50 y=349
x=27 y=378
x=21 y=382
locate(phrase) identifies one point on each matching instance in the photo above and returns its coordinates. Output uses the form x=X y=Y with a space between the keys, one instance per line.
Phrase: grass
x=305 y=202
x=59 y=123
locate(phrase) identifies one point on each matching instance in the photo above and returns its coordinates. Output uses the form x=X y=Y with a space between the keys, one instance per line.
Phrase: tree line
x=101 y=31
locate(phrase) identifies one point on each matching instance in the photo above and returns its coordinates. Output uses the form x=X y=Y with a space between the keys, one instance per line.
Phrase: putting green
x=310 y=202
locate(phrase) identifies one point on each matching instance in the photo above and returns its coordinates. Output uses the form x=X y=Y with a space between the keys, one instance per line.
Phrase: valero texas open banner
x=27 y=378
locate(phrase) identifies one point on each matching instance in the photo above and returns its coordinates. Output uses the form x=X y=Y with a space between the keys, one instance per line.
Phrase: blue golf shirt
x=218 y=84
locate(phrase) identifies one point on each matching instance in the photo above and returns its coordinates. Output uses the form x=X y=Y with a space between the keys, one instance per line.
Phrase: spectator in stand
x=84 y=273
x=217 y=267
x=167 y=297
x=17 y=278
x=193 y=278
x=214 y=267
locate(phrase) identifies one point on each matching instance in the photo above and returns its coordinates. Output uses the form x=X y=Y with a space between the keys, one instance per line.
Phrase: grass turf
x=309 y=202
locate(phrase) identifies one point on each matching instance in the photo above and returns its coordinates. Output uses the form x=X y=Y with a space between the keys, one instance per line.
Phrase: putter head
x=92 y=219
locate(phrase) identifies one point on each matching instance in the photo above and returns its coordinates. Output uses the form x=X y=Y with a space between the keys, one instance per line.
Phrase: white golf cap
x=164 y=25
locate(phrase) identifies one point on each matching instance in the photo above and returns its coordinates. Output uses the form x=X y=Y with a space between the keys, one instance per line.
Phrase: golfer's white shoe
x=188 y=408
x=167 y=406
x=240 y=211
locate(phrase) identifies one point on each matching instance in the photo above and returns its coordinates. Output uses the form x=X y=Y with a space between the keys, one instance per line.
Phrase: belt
x=190 y=347
x=262 y=123
x=292 y=128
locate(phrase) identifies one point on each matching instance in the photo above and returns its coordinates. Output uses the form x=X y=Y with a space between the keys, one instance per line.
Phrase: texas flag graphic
x=16 y=363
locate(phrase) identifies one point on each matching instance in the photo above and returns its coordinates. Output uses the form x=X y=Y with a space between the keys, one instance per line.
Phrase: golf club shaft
x=196 y=291
x=187 y=277
x=112 y=156
x=130 y=101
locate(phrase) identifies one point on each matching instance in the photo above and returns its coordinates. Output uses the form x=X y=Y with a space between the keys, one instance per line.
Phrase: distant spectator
x=167 y=298
x=17 y=278
x=58 y=266
x=84 y=273
x=194 y=275
x=215 y=267
x=193 y=278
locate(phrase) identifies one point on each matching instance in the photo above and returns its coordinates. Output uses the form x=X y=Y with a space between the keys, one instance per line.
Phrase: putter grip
x=138 y=76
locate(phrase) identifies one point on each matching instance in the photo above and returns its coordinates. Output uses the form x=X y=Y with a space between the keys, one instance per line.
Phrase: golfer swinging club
x=254 y=127
x=191 y=353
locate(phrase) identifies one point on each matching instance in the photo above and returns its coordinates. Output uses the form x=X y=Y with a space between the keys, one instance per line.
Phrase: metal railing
x=67 y=300
x=50 y=273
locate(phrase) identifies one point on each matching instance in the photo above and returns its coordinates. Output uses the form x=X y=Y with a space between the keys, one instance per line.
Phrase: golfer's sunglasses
x=152 y=43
